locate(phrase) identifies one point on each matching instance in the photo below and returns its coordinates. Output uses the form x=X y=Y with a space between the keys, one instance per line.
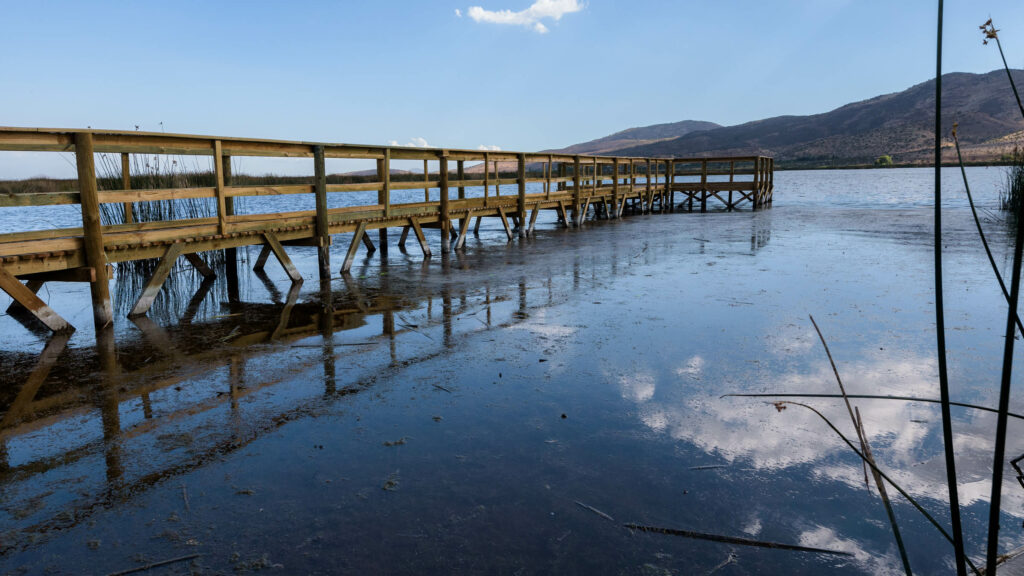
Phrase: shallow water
x=470 y=414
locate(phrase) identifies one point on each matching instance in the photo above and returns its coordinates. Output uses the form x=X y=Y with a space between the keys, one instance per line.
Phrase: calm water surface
x=508 y=409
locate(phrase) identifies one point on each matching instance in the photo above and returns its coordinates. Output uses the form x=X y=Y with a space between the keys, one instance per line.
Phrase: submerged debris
x=594 y=510
x=733 y=540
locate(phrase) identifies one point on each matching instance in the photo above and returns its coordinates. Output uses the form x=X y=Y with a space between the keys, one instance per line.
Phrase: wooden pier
x=570 y=185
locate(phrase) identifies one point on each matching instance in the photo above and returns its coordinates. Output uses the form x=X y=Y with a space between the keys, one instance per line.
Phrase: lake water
x=509 y=409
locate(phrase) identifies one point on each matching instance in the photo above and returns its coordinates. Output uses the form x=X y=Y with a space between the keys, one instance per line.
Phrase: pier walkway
x=570 y=185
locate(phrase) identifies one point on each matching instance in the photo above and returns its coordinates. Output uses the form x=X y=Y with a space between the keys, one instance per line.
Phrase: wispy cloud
x=458 y=13
x=487 y=148
x=415 y=142
x=531 y=17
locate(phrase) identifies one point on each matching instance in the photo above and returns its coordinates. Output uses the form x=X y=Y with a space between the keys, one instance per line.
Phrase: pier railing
x=570 y=186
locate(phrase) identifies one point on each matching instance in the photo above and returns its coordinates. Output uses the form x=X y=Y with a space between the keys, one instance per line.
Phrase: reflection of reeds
x=149 y=173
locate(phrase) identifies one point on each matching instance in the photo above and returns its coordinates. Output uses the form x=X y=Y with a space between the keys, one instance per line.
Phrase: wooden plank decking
x=580 y=181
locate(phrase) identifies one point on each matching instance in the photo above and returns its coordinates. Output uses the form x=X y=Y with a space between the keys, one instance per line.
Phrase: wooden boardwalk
x=570 y=186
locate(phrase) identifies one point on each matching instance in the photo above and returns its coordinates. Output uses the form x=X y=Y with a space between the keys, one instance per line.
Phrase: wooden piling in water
x=95 y=256
x=323 y=233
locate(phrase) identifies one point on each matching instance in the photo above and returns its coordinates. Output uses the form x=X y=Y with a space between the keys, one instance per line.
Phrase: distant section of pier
x=571 y=185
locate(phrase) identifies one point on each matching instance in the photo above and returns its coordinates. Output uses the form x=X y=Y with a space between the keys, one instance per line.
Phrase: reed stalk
x=940 y=324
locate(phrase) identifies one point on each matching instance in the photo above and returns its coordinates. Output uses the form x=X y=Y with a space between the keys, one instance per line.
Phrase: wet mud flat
x=512 y=408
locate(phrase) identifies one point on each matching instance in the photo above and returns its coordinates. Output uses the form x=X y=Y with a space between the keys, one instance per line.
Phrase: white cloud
x=415 y=142
x=458 y=13
x=531 y=17
x=488 y=148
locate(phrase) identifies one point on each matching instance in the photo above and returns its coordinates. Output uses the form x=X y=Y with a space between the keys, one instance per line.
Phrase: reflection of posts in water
x=275 y=294
x=446 y=318
x=522 y=295
x=109 y=403
x=286 y=312
x=47 y=358
x=197 y=299
x=327 y=333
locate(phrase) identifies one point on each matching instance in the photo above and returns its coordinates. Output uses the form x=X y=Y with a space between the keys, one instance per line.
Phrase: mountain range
x=899 y=125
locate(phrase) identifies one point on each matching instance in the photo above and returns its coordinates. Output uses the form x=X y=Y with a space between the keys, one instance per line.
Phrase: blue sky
x=376 y=72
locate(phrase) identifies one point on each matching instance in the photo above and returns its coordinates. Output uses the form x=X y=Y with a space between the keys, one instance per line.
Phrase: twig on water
x=439 y=387
x=155 y=565
x=184 y=496
x=733 y=539
x=594 y=510
x=869 y=397
x=940 y=322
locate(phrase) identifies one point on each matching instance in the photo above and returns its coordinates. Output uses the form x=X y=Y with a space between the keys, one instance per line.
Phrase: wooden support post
x=476 y=225
x=521 y=199
x=461 y=168
x=561 y=211
x=275 y=246
x=615 y=187
x=230 y=254
x=561 y=176
x=594 y=175
x=533 y=218
x=26 y=296
x=403 y=238
x=504 y=222
x=464 y=230
x=576 y=218
x=126 y=184
x=34 y=286
x=351 y=255
x=497 y=179
x=322 y=229
x=446 y=223
x=95 y=257
x=261 y=260
x=732 y=175
x=200 y=265
x=155 y=281
x=419 y=236
x=370 y=248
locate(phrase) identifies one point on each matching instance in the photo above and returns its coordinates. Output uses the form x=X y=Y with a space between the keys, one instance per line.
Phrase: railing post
x=615 y=187
x=445 y=222
x=576 y=190
x=230 y=254
x=757 y=182
x=461 y=167
x=95 y=257
x=384 y=197
x=487 y=169
x=732 y=174
x=218 y=167
x=771 y=179
x=704 y=185
x=561 y=174
x=126 y=184
x=649 y=191
x=322 y=229
x=521 y=200
x=426 y=181
x=670 y=181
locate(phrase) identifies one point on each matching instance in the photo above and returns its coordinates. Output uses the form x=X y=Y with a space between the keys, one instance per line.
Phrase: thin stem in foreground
x=940 y=324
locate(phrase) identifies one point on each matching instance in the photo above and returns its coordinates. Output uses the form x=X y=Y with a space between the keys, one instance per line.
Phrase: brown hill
x=900 y=125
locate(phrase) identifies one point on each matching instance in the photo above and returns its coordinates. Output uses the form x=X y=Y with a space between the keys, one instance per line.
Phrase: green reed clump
x=1012 y=195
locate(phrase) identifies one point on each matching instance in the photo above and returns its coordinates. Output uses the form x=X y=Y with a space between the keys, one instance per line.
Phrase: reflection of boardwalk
x=124 y=417
x=570 y=186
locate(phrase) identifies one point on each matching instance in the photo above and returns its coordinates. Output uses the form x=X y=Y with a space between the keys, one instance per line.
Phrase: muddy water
x=508 y=409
